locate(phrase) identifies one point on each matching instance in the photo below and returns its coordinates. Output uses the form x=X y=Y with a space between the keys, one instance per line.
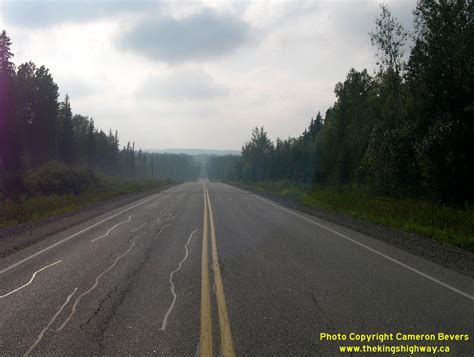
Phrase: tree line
x=35 y=127
x=406 y=130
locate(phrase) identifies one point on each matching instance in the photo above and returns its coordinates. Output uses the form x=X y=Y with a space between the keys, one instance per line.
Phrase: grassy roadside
x=55 y=190
x=450 y=225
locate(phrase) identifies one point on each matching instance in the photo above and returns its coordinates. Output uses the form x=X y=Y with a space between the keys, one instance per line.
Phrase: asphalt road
x=208 y=268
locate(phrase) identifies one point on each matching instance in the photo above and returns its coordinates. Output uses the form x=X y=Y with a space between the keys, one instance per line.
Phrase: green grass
x=30 y=206
x=446 y=224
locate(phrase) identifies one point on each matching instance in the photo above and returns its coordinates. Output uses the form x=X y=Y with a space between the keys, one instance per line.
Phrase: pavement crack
x=111 y=229
x=99 y=307
x=31 y=280
x=96 y=283
x=99 y=322
x=41 y=335
x=172 y=286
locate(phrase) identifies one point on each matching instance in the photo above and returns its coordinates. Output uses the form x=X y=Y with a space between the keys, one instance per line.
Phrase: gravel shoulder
x=18 y=237
x=451 y=257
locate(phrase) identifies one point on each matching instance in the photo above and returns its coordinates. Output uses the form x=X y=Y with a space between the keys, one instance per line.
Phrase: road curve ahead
x=206 y=268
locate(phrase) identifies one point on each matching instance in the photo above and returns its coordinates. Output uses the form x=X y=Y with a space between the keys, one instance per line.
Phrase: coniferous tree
x=91 y=145
x=45 y=124
x=9 y=145
x=255 y=155
x=80 y=125
x=66 y=138
x=26 y=109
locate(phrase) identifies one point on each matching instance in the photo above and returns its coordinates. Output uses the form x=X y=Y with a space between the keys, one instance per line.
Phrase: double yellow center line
x=227 y=345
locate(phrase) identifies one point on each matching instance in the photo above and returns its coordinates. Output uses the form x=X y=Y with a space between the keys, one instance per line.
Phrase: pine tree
x=91 y=145
x=66 y=138
x=9 y=134
x=46 y=124
x=6 y=65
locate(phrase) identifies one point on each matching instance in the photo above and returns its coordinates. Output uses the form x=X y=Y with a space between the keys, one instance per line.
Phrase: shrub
x=11 y=184
x=59 y=179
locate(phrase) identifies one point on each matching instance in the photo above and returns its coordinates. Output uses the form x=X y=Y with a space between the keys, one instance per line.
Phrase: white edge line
x=40 y=336
x=393 y=260
x=8 y=268
x=172 y=287
x=31 y=280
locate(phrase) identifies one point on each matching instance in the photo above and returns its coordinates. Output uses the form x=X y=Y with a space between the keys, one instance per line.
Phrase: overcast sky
x=192 y=74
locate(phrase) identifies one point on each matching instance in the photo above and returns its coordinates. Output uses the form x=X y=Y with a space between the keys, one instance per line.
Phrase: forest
x=36 y=128
x=407 y=130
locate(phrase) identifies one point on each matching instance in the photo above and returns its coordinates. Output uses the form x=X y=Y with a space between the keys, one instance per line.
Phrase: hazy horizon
x=194 y=151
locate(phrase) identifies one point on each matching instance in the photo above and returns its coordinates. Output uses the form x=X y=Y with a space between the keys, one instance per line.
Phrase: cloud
x=196 y=37
x=182 y=85
x=76 y=87
x=358 y=19
x=101 y=55
x=45 y=13
x=271 y=15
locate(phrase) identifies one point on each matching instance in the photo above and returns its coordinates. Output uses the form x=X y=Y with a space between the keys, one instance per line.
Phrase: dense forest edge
x=53 y=161
x=397 y=146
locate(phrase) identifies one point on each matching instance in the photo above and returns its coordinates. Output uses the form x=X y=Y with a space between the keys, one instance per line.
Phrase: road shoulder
x=450 y=257
x=16 y=238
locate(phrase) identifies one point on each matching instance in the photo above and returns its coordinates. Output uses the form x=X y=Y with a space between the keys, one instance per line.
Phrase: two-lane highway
x=208 y=268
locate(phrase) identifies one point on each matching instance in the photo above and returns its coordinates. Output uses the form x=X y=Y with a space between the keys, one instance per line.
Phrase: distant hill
x=196 y=152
